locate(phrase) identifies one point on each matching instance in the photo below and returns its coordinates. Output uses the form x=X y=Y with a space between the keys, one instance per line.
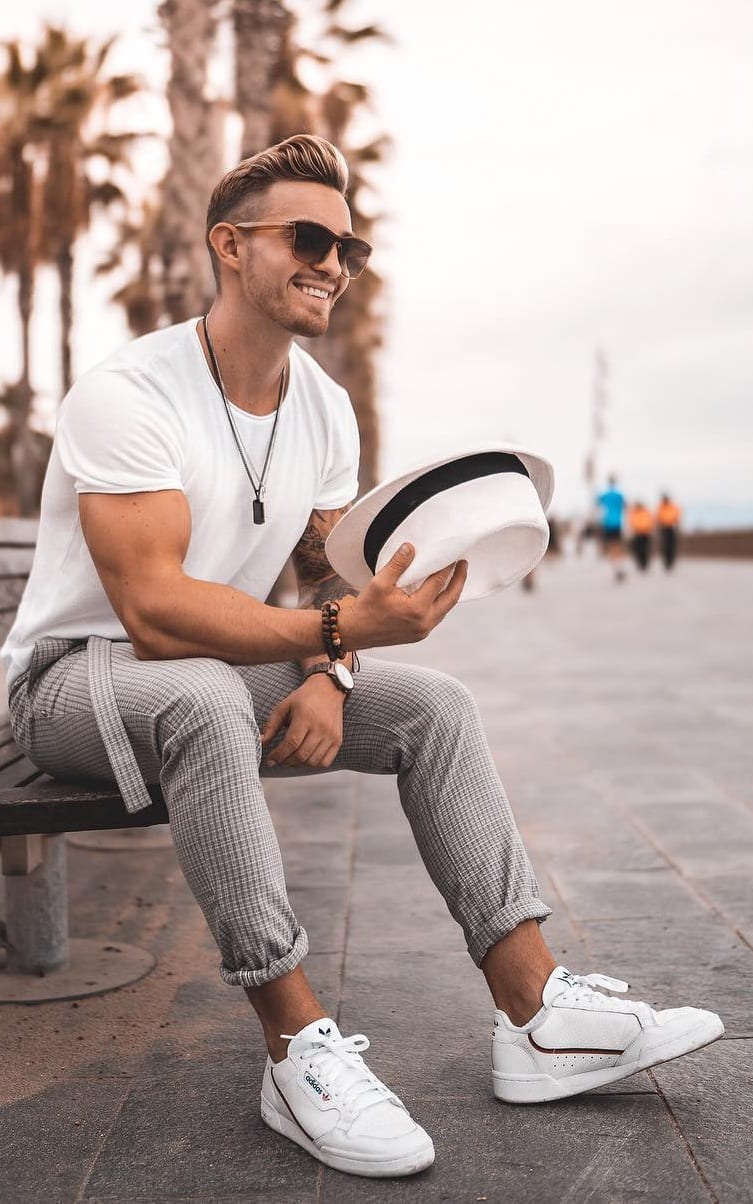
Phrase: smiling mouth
x=321 y=293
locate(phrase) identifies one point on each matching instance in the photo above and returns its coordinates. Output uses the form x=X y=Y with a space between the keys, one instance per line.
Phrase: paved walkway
x=620 y=719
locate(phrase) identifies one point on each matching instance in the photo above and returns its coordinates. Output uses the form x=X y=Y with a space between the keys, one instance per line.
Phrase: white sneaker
x=581 y=1039
x=324 y=1097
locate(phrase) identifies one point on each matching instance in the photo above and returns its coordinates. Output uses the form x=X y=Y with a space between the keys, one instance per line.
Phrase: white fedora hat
x=485 y=505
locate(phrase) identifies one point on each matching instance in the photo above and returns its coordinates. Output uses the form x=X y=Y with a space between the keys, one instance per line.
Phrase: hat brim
x=345 y=545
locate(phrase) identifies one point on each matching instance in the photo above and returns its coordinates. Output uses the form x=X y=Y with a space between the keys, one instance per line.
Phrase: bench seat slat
x=48 y=805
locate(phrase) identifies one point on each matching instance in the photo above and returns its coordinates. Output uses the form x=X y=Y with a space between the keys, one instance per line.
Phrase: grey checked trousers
x=193 y=726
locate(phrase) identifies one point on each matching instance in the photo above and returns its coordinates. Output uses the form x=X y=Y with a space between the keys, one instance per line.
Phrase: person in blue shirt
x=612 y=503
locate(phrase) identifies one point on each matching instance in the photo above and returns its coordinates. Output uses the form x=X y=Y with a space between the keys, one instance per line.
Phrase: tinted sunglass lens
x=312 y=243
x=355 y=256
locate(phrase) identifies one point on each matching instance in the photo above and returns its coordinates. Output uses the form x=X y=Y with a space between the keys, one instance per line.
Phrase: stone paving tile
x=394 y=911
x=322 y=911
x=732 y=894
x=191 y=1127
x=49 y=1139
x=317 y=862
x=428 y=1018
x=686 y=839
x=590 y=838
x=387 y=844
x=310 y=808
x=712 y=1102
x=614 y=895
x=619 y=1147
x=639 y=783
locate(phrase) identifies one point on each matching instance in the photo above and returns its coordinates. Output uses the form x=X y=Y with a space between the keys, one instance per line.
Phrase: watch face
x=344 y=676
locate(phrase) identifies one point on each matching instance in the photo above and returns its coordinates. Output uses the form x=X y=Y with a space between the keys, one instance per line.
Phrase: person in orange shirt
x=641 y=523
x=668 y=517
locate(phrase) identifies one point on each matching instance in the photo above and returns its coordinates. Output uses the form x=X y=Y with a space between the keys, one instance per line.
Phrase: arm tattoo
x=313 y=597
x=317 y=580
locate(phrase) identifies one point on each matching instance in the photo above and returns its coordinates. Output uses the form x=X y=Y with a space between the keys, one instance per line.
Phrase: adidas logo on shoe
x=317 y=1088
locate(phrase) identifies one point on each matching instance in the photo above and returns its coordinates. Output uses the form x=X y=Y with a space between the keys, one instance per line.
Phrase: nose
x=331 y=263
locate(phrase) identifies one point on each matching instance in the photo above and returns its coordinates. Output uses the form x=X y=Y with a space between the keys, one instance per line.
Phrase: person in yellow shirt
x=641 y=524
x=668 y=517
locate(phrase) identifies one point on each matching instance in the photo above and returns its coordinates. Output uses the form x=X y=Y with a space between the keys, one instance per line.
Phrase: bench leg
x=36 y=910
x=41 y=963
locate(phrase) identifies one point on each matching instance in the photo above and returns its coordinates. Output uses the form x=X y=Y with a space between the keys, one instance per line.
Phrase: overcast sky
x=563 y=176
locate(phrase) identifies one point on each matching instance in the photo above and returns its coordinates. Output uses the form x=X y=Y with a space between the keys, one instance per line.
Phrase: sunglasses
x=312 y=243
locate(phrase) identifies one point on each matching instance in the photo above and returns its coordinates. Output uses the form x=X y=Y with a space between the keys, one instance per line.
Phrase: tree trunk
x=259 y=26
x=194 y=159
x=22 y=455
x=65 y=276
x=348 y=354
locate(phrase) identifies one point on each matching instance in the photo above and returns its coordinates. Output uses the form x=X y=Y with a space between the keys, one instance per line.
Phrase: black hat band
x=428 y=485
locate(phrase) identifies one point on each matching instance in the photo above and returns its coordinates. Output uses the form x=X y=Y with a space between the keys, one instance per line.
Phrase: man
x=668 y=517
x=185 y=470
x=612 y=503
x=641 y=523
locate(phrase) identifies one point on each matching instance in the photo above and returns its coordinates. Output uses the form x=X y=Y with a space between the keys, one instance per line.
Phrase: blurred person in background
x=612 y=503
x=186 y=469
x=668 y=516
x=641 y=525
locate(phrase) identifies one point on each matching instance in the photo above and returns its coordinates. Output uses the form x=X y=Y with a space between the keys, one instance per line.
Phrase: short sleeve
x=118 y=434
x=340 y=480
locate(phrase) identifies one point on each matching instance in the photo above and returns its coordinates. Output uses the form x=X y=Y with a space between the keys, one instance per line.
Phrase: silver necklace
x=258 y=510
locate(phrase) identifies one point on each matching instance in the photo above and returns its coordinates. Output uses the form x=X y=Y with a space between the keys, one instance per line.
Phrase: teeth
x=313 y=292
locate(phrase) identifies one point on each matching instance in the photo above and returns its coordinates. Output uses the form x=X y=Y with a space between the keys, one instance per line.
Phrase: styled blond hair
x=302 y=157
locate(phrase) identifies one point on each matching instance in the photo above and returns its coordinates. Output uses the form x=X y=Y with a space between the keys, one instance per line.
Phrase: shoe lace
x=338 y=1062
x=582 y=990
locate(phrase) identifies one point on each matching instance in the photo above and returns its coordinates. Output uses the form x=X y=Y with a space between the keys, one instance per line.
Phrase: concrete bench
x=41 y=962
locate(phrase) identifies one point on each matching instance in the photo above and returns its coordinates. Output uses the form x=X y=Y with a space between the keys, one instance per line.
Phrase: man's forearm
x=184 y=617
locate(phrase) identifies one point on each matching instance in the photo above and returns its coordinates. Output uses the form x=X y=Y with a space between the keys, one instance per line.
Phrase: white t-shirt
x=151 y=417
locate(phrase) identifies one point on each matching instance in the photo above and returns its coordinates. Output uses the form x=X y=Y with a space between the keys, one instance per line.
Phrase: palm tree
x=19 y=248
x=350 y=348
x=48 y=102
x=260 y=27
x=195 y=154
x=349 y=353
x=138 y=238
x=77 y=93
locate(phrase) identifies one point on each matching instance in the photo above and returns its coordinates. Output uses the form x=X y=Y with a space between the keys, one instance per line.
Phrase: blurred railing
x=737 y=544
x=17 y=539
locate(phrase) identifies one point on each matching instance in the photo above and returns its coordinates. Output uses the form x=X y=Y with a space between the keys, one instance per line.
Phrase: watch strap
x=328 y=668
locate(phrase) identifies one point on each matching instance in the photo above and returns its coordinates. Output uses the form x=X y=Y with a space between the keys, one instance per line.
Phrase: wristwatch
x=337 y=672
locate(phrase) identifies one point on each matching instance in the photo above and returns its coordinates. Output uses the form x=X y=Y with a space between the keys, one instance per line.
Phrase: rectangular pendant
x=258 y=511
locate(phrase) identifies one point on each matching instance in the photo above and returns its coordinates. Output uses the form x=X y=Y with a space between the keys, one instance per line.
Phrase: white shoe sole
x=278 y=1117
x=650 y=1048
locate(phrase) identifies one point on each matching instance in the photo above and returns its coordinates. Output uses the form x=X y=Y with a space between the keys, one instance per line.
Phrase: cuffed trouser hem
x=283 y=965
x=502 y=923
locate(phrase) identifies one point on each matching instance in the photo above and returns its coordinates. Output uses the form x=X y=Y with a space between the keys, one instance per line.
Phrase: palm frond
x=105 y=194
x=119 y=87
x=366 y=33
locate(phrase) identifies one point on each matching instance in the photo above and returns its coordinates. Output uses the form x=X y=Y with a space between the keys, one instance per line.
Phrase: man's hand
x=313 y=716
x=383 y=614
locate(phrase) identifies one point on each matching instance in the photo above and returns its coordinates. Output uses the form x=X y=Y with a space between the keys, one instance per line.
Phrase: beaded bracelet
x=331 y=639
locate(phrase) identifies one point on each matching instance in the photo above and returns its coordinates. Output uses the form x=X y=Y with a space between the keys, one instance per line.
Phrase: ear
x=224 y=242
